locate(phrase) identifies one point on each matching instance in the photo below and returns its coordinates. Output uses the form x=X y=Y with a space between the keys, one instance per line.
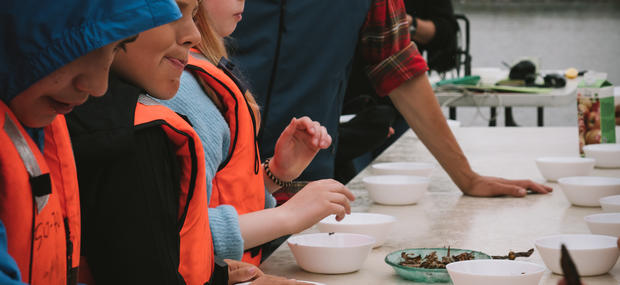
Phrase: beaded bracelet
x=273 y=177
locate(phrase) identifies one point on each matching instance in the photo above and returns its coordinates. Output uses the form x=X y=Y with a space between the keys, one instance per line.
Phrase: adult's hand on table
x=486 y=186
x=296 y=147
x=239 y=271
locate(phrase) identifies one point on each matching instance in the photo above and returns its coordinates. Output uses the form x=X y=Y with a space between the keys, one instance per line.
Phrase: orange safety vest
x=196 y=257
x=239 y=180
x=39 y=201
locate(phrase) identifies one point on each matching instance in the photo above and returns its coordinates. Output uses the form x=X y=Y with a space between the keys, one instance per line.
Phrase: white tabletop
x=446 y=217
x=557 y=97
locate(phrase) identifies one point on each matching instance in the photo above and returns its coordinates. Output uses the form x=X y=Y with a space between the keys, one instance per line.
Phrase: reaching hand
x=297 y=146
x=485 y=186
x=239 y=271
x=316 y=201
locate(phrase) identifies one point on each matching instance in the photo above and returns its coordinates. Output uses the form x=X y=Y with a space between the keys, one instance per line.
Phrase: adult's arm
x=416 y=101
x=397 y=70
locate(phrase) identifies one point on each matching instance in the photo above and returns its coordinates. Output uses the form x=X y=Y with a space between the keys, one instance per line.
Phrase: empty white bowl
x=375 y=225
x=606 y=155
x=331 y=253
x=490 y=271
x=554 y=168
x=604 y=224
x=610 y=204
x=304 y=281
x=396 y=189
x=403 y=168
x=592 y=254
x=588 y=190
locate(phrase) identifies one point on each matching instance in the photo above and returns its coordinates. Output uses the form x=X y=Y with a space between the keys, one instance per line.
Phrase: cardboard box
x=595 y=113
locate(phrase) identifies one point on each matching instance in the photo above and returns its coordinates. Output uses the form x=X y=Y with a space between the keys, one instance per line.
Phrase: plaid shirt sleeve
x=386 y=47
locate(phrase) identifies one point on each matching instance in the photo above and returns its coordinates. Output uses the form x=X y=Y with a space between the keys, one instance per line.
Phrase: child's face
x=224 y=15
x=157 y=58
x=69 y=86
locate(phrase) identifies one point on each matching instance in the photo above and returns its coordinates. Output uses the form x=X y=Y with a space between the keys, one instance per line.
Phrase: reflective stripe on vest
x=196 y=261
x=30 y=162
x=238 y=182
x=41 y=233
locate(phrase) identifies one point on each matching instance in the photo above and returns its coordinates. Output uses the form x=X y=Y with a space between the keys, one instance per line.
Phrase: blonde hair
x=213 y=48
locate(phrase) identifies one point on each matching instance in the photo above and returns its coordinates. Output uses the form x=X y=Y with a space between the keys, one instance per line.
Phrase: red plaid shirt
x=391 y=57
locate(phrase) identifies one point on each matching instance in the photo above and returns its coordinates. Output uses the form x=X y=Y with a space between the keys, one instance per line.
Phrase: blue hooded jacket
x=39 y=37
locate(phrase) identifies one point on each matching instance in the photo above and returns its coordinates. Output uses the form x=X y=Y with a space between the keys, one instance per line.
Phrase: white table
x=446 y=217
x=556 y=98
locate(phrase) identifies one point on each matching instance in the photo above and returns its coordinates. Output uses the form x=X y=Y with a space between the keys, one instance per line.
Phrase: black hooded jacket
x=129 y=182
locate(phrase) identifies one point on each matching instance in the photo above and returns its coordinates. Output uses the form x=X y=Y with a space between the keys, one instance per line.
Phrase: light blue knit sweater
x=214 y=134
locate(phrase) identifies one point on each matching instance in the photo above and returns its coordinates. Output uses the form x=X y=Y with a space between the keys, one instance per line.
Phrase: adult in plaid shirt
x=298 y=56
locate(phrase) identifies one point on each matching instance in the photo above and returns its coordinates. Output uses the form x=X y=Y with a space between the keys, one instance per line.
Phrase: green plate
x=422 y=274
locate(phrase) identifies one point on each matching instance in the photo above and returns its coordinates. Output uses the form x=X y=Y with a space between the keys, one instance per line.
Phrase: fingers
x=529 y=184
x=243 y=274
x=337 y=210
x=336 y=186
x=391 y=132
x=326 y=139
x=320 y=138
x=510 y=190
x=340 y=204
x=539 y=188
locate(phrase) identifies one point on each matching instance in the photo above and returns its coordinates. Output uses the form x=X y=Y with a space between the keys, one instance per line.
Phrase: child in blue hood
x=53 y=58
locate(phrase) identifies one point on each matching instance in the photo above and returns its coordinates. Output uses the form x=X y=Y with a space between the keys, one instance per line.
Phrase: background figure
x=433 y=28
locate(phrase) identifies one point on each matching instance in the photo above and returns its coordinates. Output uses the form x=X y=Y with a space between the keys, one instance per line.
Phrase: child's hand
x=297 y=146
x=316 y=201
x=239 y=271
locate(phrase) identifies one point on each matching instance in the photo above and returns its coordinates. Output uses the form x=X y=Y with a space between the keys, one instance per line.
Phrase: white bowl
x=403 y=168
x=304 y=281
x=604 y=224
x=375 y=225
x=489 y=271
x=396 y=189
x=606 y=155
x=554 y=168
x=610 y=204
x=588 y=190
x=592 y=254
x=331 y=253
